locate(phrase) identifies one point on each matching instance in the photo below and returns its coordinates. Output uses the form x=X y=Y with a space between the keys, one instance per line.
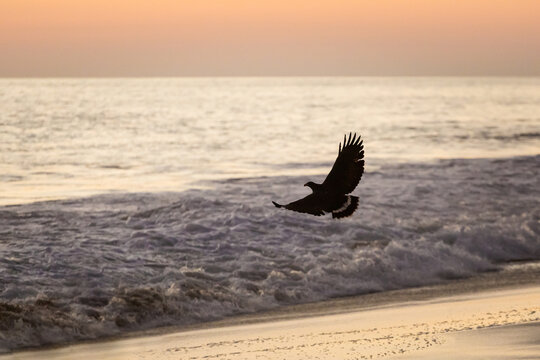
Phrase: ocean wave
x=92 y=267
x=518 y=136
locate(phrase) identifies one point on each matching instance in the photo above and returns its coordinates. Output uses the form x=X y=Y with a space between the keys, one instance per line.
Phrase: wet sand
x=500 y=343
x=504 y=323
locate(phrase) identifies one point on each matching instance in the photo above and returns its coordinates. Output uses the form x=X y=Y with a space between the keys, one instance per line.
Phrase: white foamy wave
x=92 y=267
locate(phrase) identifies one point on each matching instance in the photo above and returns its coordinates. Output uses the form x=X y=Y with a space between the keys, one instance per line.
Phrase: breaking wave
x=92 y=267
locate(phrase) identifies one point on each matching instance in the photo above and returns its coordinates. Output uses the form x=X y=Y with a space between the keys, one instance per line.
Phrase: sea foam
x=92 y=267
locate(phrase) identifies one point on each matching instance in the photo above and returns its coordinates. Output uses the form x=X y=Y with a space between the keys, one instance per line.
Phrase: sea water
x=129 y=204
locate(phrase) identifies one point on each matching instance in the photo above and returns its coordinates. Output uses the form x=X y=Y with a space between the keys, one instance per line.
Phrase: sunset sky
x=262 y=37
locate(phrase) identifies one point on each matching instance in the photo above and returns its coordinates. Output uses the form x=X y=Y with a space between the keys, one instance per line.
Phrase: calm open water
x=62 y=138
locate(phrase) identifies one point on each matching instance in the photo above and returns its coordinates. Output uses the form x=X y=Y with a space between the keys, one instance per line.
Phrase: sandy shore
x=509 y=342
x=500 y=324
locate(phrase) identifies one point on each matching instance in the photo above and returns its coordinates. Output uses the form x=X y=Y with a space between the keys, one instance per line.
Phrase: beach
x=290 y=180
x=502 y=324
x=137 y=214
x=479 y=321
x=505 y=342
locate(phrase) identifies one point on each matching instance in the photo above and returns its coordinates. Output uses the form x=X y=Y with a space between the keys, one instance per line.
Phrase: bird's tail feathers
x=349 y=207
x=276 y=204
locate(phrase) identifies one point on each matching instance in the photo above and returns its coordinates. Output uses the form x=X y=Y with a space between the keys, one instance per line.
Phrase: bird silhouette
x=331 y=195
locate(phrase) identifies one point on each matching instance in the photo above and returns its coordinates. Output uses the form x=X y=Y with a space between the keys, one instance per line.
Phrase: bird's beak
x=305 y=184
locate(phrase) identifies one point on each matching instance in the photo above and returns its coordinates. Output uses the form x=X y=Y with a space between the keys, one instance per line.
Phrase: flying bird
x=331 y=195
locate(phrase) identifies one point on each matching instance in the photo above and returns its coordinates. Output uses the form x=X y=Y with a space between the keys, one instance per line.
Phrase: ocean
x=132 y=204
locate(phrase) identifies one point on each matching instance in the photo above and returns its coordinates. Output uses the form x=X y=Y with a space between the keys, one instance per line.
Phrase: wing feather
x=348 y=167
x=310 y=204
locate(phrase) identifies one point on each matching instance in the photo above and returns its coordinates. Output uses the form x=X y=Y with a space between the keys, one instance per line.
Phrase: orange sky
x=261 y=37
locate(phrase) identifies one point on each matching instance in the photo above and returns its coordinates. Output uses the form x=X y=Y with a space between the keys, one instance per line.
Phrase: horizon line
x=259 y=76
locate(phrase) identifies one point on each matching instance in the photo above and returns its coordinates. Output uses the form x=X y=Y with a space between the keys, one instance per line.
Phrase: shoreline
x=430 y=328
x=513 y=277
x=114 y=264
x=506 y=342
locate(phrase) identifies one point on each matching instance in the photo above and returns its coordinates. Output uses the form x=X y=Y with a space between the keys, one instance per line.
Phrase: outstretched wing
x=311 y=204
x=349 y=166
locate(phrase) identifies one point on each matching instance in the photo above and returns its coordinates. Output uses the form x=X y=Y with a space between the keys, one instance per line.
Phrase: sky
x=48 y=38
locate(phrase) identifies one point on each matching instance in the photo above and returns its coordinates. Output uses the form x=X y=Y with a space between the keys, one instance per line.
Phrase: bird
x=332 y=195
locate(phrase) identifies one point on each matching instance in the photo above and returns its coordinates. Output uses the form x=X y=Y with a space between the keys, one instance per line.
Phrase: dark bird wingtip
x=352 y=139
x=276 y=204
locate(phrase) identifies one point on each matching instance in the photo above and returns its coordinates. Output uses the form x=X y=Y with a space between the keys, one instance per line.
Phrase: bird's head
x=311 y=185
